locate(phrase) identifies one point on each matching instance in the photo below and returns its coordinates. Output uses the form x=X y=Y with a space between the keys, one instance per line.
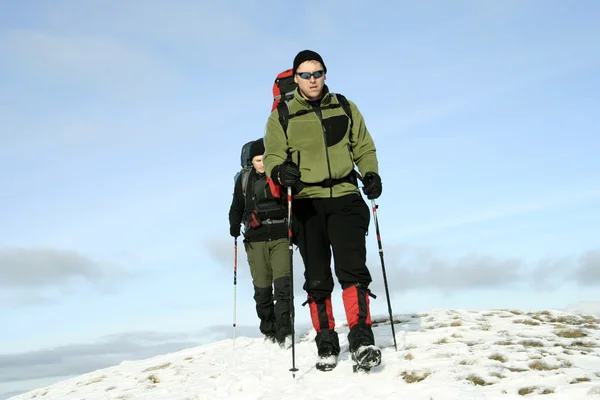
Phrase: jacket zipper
x=318 y=112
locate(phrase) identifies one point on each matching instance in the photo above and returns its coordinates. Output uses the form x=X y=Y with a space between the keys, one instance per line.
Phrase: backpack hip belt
x=330 y=182
x=274 y=221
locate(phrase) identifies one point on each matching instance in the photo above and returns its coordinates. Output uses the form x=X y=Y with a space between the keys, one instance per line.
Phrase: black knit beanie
x=257 y=149
x=308 y=55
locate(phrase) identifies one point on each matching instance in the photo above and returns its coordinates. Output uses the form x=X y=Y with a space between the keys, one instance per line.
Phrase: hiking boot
x=366 y=357
x=270 y=338
x=286 y=342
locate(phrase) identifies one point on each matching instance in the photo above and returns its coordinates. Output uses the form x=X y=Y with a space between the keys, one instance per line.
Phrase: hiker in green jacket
x=266 y=245
x=316 y=155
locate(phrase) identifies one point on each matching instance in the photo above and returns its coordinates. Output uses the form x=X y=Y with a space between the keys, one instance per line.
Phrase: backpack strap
x=284 y=115
x=284 y=111
x=345 y=106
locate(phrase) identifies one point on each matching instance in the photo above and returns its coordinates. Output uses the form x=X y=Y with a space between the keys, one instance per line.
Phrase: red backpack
x=283 y=87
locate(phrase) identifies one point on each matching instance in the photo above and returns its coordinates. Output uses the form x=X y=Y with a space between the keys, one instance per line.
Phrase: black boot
x=327 y=340
x=283 y=322
x=264 y=310
x=360 y=339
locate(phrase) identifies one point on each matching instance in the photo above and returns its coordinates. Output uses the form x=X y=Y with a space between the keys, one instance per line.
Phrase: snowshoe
x=365 y=358
x=327 y=363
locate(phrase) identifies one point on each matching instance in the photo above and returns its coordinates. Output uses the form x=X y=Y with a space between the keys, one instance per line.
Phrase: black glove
x=234 y=230
x=372 y=185
x=287 y=173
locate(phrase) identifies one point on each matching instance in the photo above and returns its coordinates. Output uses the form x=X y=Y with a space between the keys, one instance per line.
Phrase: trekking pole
x=292 y=309
x=234 y=286
x=387 y=292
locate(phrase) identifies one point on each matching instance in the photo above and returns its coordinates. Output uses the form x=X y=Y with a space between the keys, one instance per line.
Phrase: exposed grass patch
x=476 y=380
x=531 y=343
x=548 y=391
x=497 y=375
x=570 y=333
x=410 y=346
x=153 y=378
x=504 y=343
x=591 y=326
x=467 y=362
x=515 y=369
x=414 y=376
x=526 y=322
x=95 y=380
x=567 y=320
x=456 y=323
x=498 y=357
x=188 y=358
x=540 y=365
x=157 y=367
x=516 y=312
x=527 y=390
x=409 y=357
x=456 y=335
x=442 y=341
x=486 y=327
x=579 y=380
x=579 y=343
x=566 y=363
x=471 y=344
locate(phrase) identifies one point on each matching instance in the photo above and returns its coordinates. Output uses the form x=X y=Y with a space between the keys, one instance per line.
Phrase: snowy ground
x=442 y=355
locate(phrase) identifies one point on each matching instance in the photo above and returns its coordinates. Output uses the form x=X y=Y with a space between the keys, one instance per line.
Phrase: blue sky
x=121 y=128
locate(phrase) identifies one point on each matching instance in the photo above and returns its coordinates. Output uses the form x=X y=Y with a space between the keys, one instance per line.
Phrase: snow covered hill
x=442 y=355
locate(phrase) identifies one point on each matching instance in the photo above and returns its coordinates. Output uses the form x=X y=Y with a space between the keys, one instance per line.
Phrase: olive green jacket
x=323 y=145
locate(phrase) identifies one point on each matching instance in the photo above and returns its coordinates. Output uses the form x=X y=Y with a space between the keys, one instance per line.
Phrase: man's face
x=257 y=162
x=311 y=87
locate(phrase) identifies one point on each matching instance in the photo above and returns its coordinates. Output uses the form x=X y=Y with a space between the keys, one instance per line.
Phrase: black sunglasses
x=307 y=75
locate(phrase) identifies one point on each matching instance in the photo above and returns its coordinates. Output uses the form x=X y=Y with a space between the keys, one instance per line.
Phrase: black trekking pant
x=338 y=227
x=336 y=224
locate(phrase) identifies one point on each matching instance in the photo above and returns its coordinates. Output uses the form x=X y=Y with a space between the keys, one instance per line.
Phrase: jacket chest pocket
x=335 y=129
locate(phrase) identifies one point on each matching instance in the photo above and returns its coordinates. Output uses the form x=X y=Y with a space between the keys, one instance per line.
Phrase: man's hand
x=288 y=174
x=372 y=185
x=234 y=230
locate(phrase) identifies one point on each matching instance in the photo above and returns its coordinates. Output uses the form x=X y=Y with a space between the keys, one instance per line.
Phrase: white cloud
x=33 y=275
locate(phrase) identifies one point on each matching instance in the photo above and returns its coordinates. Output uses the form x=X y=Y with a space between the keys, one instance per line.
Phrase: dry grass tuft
x=153 y=378
x=579 y=343
x=414 y=376
x=442 y=341
x=570 y=333
x=456 y=323
x=515 y=369
x=477 y=380
x=579 y=380
x=409 y=357
x=527 y=390
x=497 y=375
x=548 y=391
x=498 y=357
x=456 y=335
x=531 y=343
x=526 y=322
x=540 y=365
x=504 y=343
x=157 y=367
